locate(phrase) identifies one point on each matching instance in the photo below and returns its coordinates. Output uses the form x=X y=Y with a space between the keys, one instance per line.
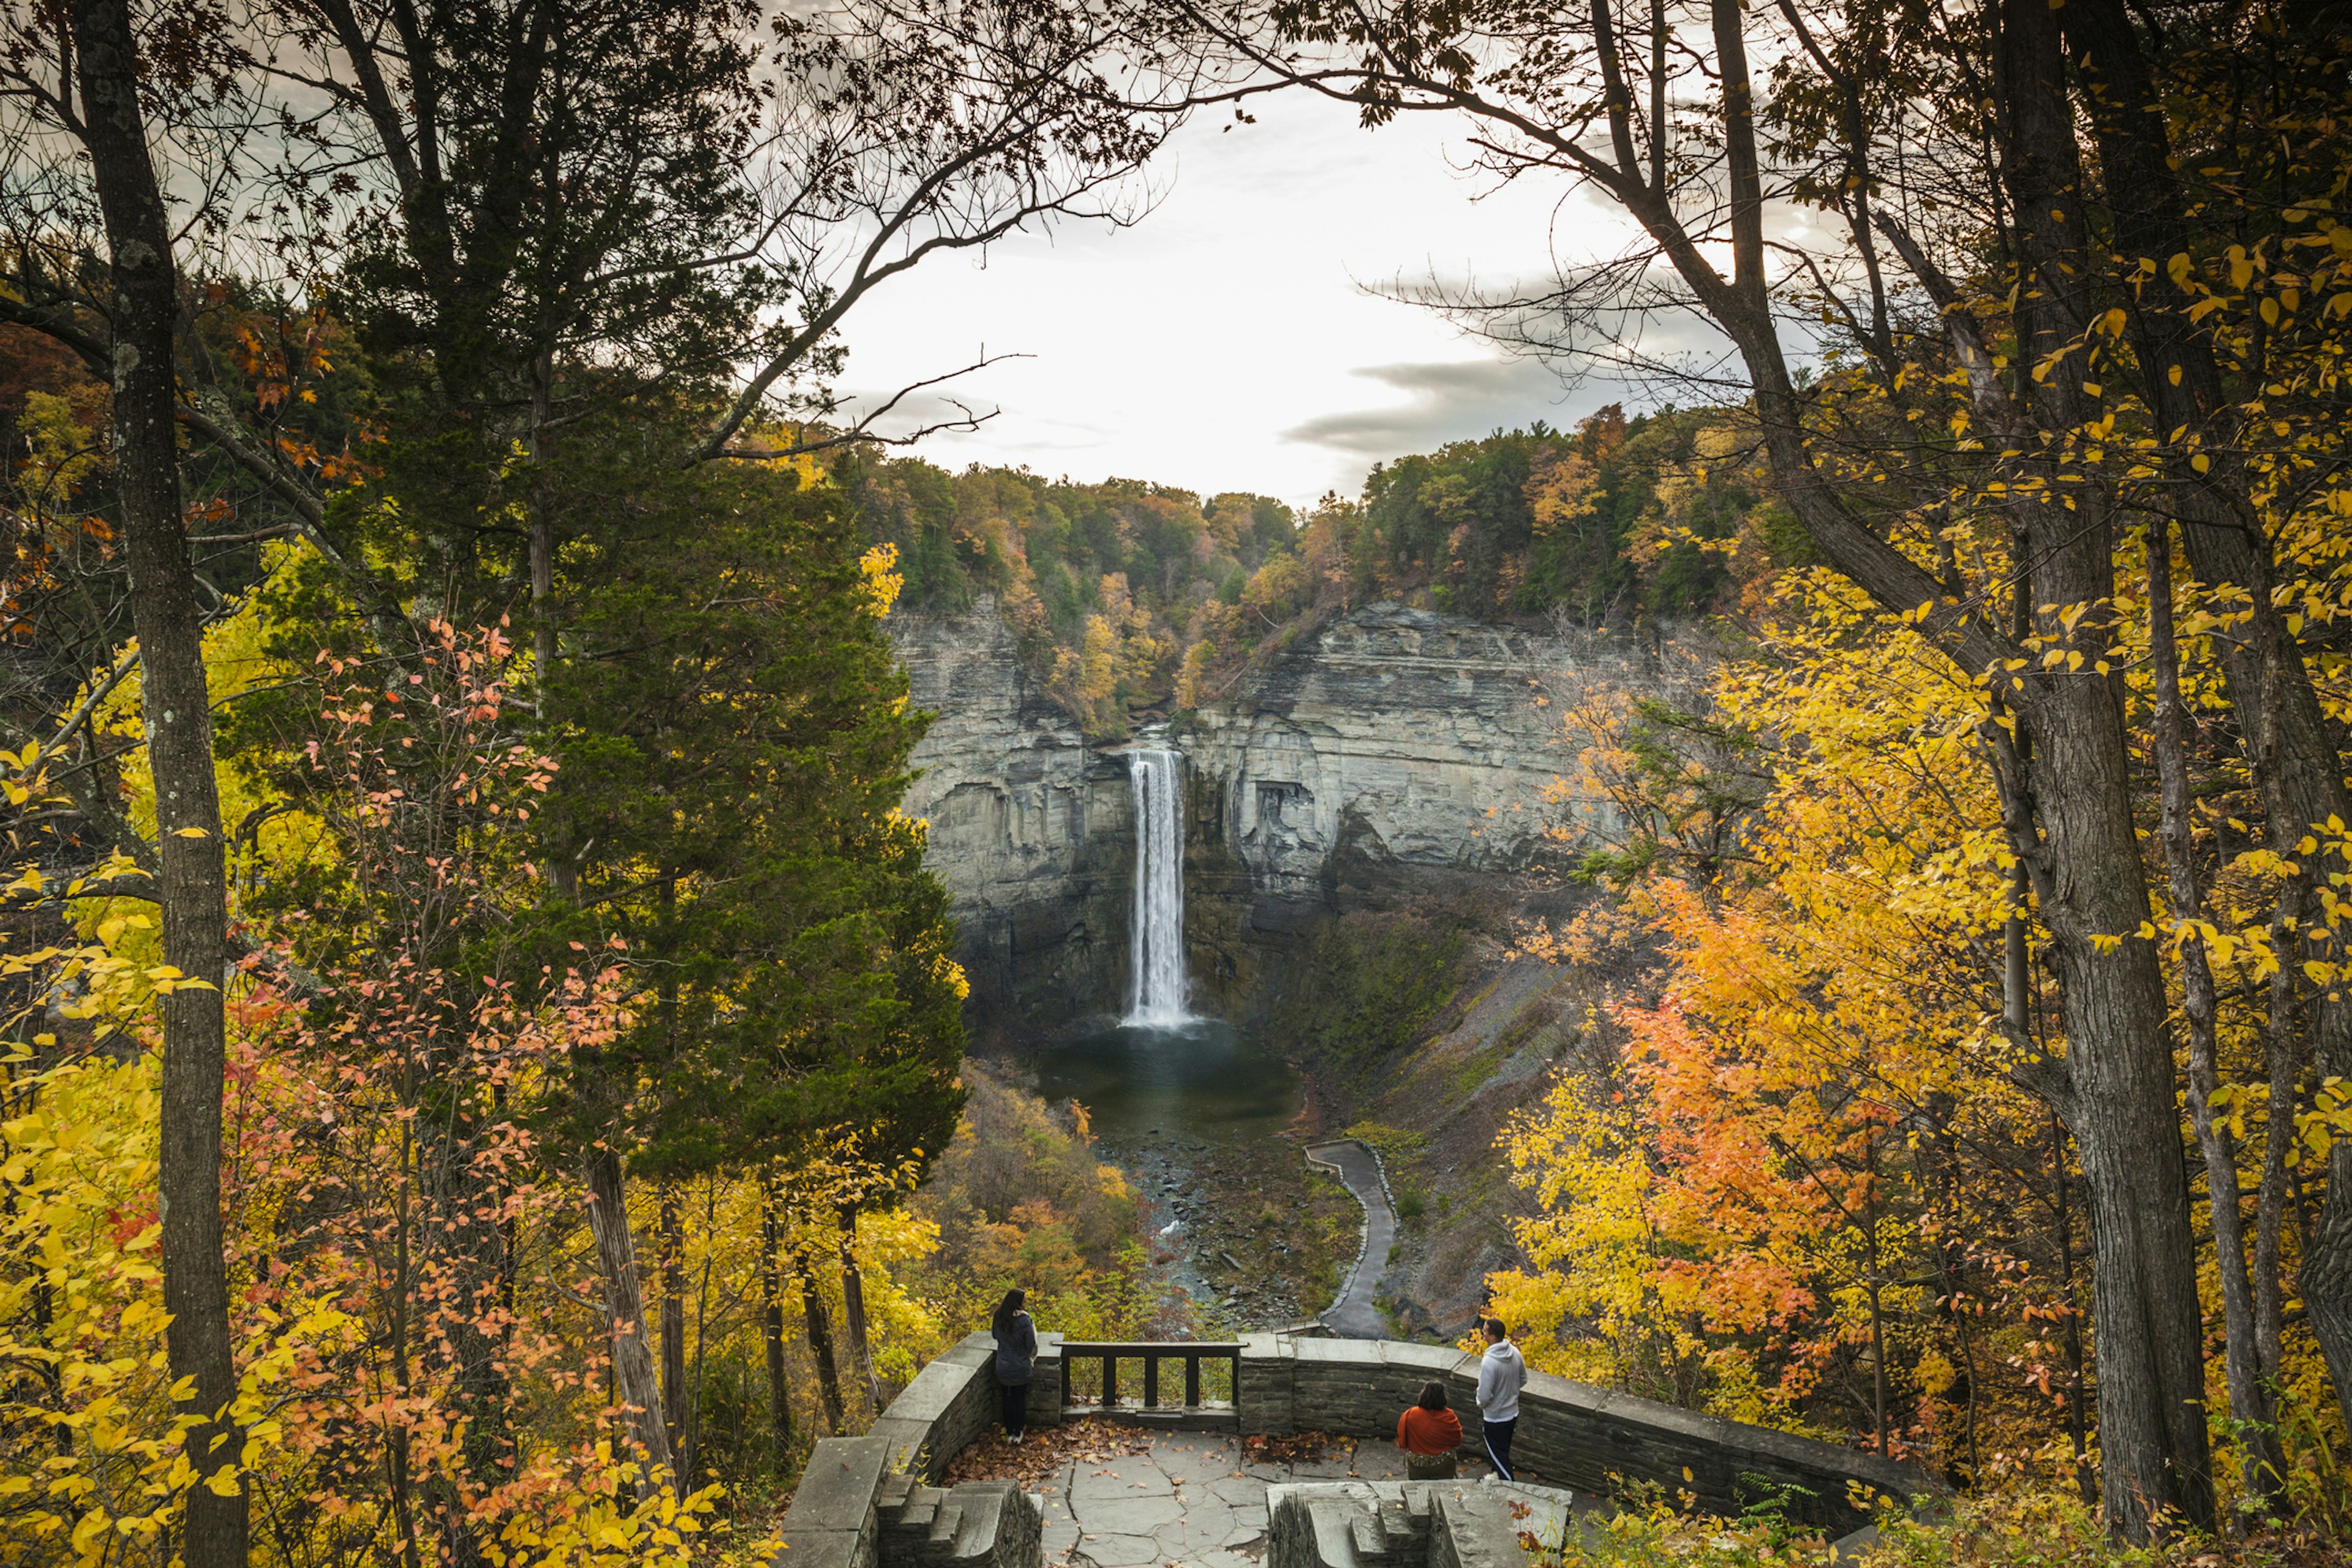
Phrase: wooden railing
x=1225 y=1371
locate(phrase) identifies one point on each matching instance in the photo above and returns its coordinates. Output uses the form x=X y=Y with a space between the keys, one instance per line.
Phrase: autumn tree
x=427 y=1027
x=98 y=107
x=1998 y=539
x=1813 y=1184
x=400 y=1268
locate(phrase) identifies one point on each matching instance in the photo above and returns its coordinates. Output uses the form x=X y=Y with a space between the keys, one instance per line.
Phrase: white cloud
x=1226 y=341
x=1447 y=401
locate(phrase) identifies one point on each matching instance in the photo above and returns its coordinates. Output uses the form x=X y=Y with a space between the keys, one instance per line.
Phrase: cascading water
x=1156 y=998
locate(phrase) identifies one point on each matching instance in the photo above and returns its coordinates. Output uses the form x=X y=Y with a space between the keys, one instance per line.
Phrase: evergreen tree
x=731 y=732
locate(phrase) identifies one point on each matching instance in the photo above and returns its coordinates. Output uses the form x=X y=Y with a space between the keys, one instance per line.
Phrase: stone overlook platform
x=1196 y=1498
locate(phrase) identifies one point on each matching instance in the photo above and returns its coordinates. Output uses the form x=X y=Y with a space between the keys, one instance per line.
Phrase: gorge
x=1397 y=765
x=1395 y=754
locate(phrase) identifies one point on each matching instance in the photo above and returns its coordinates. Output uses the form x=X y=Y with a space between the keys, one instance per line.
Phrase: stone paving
x=1191 y=1498
x=1356 y=1315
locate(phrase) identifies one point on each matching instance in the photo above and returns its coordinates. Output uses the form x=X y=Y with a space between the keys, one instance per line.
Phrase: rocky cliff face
x=1402 y=736
x=1397 y=752
x=1030 y=828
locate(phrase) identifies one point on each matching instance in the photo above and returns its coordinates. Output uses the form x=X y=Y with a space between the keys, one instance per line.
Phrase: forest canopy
x=1130 y=598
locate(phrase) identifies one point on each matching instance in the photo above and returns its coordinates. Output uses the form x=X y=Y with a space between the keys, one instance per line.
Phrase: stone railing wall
x=1570 y=1434
x=864 y=1502
x=857 y=1493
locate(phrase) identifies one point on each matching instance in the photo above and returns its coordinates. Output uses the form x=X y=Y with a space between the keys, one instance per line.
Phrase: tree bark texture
x=636 y=1389
x=177 y=707
x=2262 y=1463
x=853 y=1308
x=2295 y=760
x=673 y=1318
x=2078 y=1426
x=2281 y=1057
x=820 y=1338
x=772 y=1321
x=2152 y=1430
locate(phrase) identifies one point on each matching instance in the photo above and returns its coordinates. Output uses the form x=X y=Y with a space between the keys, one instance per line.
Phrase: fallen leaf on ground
x=1295 y=1448
x=1045 y=1453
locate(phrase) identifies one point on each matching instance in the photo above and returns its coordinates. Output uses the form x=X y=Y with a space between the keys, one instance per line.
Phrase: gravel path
x=1353 y=1315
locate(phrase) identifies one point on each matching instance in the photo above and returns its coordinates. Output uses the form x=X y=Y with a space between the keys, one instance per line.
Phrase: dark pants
x=1016 y=1409
x=1498 y=1445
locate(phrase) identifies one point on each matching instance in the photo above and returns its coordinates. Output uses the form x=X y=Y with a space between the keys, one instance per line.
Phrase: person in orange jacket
x=1429 y=1433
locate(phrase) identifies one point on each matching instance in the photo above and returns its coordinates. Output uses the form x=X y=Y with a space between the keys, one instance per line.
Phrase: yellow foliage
x=90 y=1456
x=882 y=580
x=1562 y=488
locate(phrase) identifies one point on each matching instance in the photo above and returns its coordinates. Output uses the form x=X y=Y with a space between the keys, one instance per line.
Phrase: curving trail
x=1353 y=1315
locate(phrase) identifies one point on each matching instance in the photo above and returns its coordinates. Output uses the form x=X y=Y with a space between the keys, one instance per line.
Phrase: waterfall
x=1156 y=943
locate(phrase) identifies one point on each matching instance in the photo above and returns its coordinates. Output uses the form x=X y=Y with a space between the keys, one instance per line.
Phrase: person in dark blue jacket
x=1016 y=1360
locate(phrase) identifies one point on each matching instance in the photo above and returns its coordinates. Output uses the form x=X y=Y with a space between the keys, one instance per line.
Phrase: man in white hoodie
x=1501 y=1374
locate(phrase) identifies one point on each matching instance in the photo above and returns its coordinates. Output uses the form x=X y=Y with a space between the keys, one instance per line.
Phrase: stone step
x=916 y=1515
x=1330 y=1526
x=981 y=1524
x=1398 y=1524
x=983 y=1521
x=1387 y=1524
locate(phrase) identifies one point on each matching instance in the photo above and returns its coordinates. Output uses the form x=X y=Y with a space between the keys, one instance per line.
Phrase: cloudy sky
x=1229 y=341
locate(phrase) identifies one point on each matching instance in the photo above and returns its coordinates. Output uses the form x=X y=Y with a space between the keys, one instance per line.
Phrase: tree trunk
x=2085 y=863
x=461 y=1203
x=2262 y=1462
x=673 y=1318
x=2278 y=1142
x=1942 y=1148
x=178 y=713
x=636 y=1389
x=2078 y=1426
x=672 y=1224
x=820 y=1338
x=772 y=1320
x=2152 y=1432
x=2294 y=760
x=852 y=1308
x=1877 y=1313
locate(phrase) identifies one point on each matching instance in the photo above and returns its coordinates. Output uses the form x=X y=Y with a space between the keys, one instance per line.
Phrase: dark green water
x=1197 y=1118
x=1205 y=1082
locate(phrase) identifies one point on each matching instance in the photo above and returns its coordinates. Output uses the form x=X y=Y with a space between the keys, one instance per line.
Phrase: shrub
x=1387 y=1139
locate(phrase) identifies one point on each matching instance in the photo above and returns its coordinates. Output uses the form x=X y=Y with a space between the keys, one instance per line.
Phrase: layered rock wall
x=1031 y=829
x=1395 y=754
x=1401 y=736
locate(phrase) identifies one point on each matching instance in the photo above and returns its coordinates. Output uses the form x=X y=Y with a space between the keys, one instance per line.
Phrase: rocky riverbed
x=1244 y=1236
x=1210 y=1124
